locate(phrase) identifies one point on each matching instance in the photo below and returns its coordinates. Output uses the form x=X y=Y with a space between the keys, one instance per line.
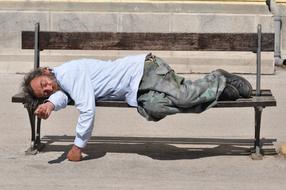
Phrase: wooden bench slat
x=18 y=98
x=266 y=99
x=255 y=101
x=149 y=41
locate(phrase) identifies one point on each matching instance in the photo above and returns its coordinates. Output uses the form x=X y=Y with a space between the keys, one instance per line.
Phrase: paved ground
x=214 y=156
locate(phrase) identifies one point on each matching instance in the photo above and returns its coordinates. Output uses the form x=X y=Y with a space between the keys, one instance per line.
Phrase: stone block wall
x=143 y=16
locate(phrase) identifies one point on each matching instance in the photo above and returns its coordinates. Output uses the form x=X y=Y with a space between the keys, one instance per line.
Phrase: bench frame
x=260 y=99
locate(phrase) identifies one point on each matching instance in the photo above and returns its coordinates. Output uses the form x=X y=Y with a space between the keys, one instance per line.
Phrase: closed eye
x=43 y=84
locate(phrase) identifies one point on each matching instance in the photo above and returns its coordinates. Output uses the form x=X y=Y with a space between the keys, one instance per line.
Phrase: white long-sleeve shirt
x=89 y=80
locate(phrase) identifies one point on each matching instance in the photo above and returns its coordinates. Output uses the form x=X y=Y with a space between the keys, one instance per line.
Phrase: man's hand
x=43 y=111
x=74 y=154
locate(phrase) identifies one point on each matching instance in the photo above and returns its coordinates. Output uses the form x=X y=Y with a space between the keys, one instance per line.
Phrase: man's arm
x=56 y=101
x=78 y=85
x=82 y=93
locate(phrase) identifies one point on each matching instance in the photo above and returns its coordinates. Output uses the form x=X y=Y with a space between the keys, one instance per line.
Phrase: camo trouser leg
x=162 y=92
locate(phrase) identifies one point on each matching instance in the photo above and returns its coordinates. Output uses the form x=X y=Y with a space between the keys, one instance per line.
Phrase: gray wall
x=133 y=17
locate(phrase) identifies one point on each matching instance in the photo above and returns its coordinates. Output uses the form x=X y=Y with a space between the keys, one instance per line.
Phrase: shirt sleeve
x=82 y=93
x=59 y=99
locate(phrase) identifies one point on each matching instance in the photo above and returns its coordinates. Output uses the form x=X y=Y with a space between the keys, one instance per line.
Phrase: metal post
x=258 y=61
x=258 y=113
x=32 y=123
x=38 y=132
x=36 y=47
x=36 y=144
x=256 y=155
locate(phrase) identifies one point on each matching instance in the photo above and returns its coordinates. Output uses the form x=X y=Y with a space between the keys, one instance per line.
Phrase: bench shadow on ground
x=157 y=148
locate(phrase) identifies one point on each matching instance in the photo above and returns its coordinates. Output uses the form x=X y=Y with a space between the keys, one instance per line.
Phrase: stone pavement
x=213 y=155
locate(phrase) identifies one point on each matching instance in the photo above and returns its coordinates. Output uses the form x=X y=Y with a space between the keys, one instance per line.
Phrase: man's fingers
x=43 y=111
x=40 y=112
x=36 y=111
x=42 y=116
x=39 y=109
x=46 y=115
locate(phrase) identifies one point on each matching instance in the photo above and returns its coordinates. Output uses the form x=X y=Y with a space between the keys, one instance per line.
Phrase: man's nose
x=48 y=87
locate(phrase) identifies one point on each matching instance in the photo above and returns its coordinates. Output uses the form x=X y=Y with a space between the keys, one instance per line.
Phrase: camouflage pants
x=162 y=92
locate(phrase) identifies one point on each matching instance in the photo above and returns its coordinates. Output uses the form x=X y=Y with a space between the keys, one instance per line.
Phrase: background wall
x=135 y=16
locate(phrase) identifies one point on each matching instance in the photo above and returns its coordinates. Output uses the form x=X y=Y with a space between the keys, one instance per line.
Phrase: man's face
x=43 y=86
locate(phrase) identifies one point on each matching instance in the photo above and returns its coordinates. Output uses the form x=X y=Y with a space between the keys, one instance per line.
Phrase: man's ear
x=46 y=71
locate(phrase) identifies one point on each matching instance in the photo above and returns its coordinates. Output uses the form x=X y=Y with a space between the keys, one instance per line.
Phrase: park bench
x=253 y=42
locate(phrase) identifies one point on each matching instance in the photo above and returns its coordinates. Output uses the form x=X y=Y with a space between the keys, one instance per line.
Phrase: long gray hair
x=31 y=100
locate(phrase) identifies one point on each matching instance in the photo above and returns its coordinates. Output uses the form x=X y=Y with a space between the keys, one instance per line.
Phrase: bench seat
x=264 y=100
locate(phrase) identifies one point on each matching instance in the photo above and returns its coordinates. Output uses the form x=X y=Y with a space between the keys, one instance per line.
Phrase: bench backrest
x=255 y=42
x=148 y=41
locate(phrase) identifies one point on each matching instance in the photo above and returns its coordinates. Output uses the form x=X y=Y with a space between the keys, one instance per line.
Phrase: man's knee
x=155 y=106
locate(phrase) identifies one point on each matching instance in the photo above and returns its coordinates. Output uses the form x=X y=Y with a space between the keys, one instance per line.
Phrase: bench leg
x=36 y=144
x=256 y=153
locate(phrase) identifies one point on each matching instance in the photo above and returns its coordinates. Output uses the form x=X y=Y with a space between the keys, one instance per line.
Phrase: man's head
x=40 y=83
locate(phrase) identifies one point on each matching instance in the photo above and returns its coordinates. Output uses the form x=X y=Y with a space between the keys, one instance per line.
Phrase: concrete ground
x=205 y=151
